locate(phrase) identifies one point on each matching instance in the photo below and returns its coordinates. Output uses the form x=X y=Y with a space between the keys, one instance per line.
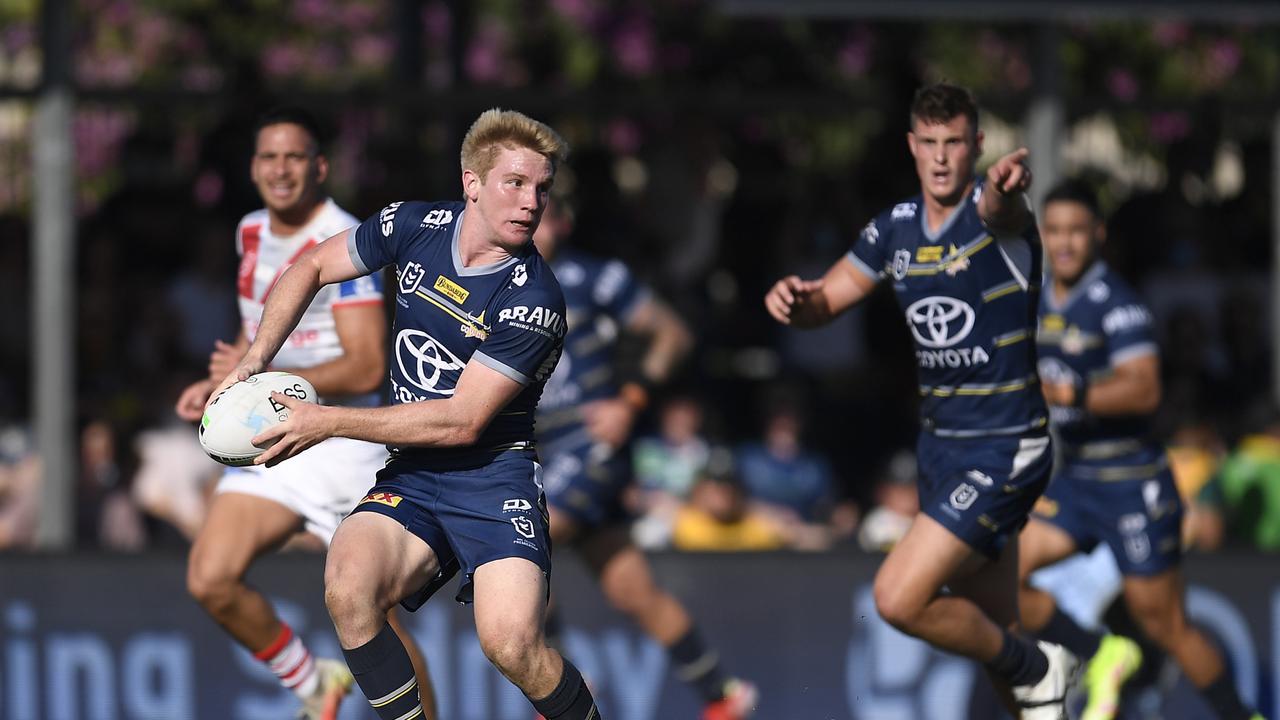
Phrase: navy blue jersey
x=970 y=303
x=507 y=315
x=599 y=296
x=1101 y=324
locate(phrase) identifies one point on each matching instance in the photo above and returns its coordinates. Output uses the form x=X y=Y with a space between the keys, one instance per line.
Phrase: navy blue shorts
x=586 y=482
x=983 y=489
x=469 y=517
x=1140 y=519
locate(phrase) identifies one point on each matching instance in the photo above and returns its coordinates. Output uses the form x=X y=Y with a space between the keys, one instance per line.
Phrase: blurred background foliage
x=607 y=60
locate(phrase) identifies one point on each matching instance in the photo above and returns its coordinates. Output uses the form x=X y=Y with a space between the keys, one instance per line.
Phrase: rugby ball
x=244 y=410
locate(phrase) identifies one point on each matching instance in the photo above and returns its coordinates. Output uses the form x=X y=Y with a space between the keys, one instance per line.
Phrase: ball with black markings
x=246 y=409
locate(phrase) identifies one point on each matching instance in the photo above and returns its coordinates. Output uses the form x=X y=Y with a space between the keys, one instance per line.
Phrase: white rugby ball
x=244 y=410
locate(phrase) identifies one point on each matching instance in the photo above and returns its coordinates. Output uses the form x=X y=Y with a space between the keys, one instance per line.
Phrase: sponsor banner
x=118 y=637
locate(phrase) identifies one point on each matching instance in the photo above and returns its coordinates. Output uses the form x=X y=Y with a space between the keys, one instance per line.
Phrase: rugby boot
x=335 y=682
x=1117 y=659
x=1047 y=699
x=739 y=702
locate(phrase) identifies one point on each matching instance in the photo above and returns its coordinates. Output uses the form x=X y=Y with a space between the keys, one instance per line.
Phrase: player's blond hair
x=497 y=128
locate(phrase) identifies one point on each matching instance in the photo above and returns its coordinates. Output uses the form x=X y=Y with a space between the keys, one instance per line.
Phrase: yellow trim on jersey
x=1012 y=339
x=944 y=264
x=1001 y=292
x=1008 y=387
x=476 y=323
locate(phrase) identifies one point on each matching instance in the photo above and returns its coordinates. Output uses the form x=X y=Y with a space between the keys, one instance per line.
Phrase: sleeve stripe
x=501 y=367
x=354 y=252
x=1133 y=351
x=862 y=267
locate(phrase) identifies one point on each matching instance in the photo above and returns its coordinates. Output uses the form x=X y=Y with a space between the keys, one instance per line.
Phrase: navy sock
x=1020 y=662
x=385 y=674
x=1221 y=694
x=1064 y=631
x=571 y=700
x=698 y=665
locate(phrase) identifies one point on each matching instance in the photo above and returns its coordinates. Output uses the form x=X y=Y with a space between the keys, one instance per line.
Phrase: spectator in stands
x=780 y=473
x=175 y=477
x=667 y=465
x=896 y=504
x=1195 y=451
x=1241 y=504
x=20 y=481
x=718 y=516
x=107 y=516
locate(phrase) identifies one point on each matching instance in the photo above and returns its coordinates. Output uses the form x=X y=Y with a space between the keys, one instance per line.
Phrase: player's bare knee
x=209 y=586
x=896 y=607
x=510 y=648
x=344 y=597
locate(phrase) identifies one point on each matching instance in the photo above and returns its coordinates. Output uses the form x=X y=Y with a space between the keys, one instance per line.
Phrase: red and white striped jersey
x=263 y=259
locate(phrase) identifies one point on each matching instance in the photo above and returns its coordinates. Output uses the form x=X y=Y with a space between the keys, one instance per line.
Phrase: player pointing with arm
x=340 y=348
x=479 y=327
x=964 y=261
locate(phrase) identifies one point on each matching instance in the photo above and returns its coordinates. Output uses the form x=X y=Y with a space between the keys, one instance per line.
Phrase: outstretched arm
x=811 y=303
x=1004 y=206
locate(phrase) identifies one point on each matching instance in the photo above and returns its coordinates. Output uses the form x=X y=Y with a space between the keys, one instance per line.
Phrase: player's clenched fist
x=792 y=296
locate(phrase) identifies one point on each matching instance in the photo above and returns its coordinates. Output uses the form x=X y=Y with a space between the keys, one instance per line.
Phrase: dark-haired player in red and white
x=339 y=346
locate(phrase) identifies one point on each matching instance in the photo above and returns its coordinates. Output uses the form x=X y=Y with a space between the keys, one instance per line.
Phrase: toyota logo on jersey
x=422 y=360
x=940 y=321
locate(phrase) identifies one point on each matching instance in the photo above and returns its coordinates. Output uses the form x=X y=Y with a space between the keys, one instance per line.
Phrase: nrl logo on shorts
x=524 y=526
x=963 y=497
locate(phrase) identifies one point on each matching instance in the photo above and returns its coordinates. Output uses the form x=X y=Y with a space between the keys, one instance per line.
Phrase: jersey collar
x=474 y=270
x=1094 y=273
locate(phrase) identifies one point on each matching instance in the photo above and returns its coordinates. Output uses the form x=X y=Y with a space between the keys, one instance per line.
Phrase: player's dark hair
x=1076 y=191
x=293 y=115
x=940 y=102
